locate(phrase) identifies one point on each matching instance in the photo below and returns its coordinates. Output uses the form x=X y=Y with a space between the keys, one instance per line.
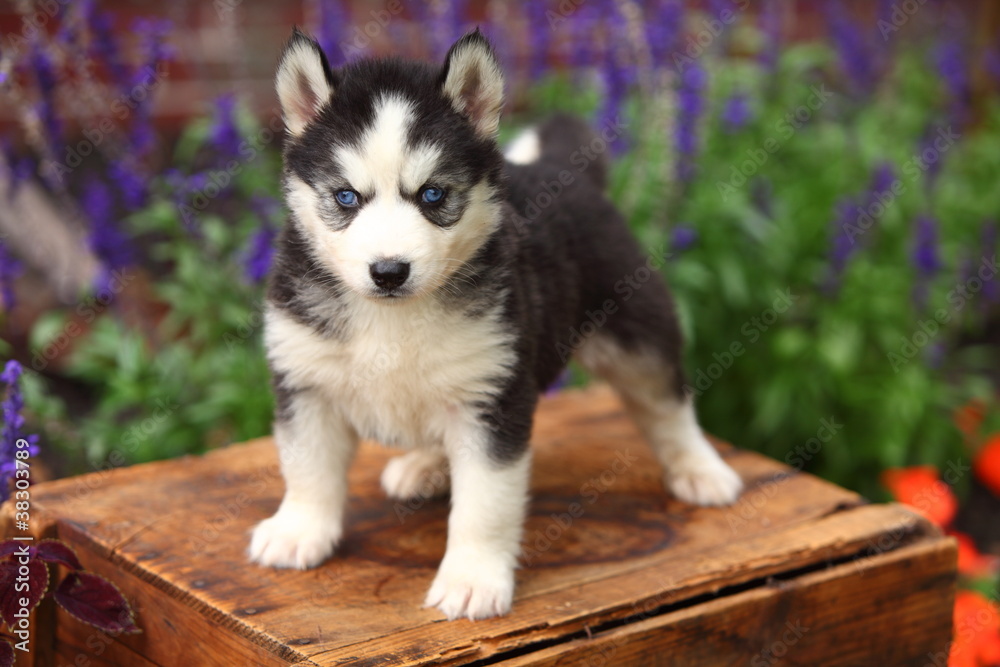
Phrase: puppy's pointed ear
x=304 y=82
x=473 y=81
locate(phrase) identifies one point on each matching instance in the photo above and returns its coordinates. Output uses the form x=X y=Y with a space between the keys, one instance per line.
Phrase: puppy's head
x=392 y=168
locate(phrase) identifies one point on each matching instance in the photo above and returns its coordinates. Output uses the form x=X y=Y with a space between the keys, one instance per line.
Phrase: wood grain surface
x=612 y=564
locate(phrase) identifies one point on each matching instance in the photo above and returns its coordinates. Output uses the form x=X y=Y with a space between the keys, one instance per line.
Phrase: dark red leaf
x=9 y=547
x=17 y=586
x=6 y=653
x=54 y=551
x=96 y=601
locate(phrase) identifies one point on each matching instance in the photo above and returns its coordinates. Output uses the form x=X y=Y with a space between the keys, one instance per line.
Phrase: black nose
x=389 y=274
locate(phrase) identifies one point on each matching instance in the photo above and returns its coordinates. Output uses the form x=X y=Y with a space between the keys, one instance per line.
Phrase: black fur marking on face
x=303 y=287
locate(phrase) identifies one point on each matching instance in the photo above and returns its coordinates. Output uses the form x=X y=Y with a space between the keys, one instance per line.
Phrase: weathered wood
x=604 y=544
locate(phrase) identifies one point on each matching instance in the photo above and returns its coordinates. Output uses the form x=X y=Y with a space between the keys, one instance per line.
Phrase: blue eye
x=431 y=195
x=348 y=198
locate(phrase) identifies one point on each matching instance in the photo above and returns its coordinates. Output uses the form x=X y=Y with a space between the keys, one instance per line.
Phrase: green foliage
x=195 y=377
x=776 y=376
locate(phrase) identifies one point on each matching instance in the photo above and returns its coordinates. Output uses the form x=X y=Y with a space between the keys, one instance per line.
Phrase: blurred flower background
x=819 y=180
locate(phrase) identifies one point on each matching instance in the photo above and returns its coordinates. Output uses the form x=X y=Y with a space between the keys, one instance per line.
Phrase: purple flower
x=10 y=268
x=925 y=247
x=104 y=44
x=153 y=35
x=736 y=112
x=130 y=183
x=682 y=237
x=951 y=65
x=333 y=21
x=770 y=28
x=261 y=250
x=882 y=180
x=581 y=42
x=689 y=107
x=13 y=426
x=663 y=30
x=45 y=75
x=540 y=36
x=856 y=57
x=224 y=134
x=19 y=168
x=844 y=244
x=111 y=246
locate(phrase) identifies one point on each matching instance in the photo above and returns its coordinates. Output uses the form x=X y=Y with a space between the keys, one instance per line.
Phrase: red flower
x=969 y=418
x=970 y=561
x=976 y=632
x=986 y=465
x=922 y=489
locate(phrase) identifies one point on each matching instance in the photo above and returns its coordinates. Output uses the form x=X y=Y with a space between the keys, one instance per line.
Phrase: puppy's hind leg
x=421 y=473
x=648 y=384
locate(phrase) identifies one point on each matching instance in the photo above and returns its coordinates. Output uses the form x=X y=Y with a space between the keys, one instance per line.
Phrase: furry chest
x=396 y=375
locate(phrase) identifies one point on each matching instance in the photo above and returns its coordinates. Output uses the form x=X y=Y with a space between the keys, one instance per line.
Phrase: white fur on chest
x=401 y=371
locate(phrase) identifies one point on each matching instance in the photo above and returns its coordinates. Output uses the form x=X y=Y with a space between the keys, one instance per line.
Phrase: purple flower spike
x=10 y=268
x=844 y=244
x=953 y=68
x=13 y=425
x=225 y=133
x=261 y=250
x=856 y=57
x=333 y=37
x=663 y=30
x=925 y=247
x=689 y=107
x=107 y=241
x=45 y=75
x=770 y=27
x=683 y=237
x=736 y=112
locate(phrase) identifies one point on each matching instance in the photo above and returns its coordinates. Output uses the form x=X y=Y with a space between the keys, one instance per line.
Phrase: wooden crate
x=799 y=572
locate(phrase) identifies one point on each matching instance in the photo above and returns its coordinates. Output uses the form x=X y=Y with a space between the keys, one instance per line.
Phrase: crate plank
x=821 y=618
x=602 y=541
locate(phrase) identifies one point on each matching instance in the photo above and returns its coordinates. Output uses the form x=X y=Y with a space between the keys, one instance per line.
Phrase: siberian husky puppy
x=426 y=288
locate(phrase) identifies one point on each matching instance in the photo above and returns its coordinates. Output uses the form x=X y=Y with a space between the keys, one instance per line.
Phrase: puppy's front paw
x=703 y=479
x=416 y=474
x=295 y=537
x=475 y=586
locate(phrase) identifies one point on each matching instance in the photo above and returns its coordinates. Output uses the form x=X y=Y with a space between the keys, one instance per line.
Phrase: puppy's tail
x=565 y=142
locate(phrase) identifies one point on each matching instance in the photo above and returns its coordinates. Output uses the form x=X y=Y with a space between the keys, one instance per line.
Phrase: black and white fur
x=450 y=363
